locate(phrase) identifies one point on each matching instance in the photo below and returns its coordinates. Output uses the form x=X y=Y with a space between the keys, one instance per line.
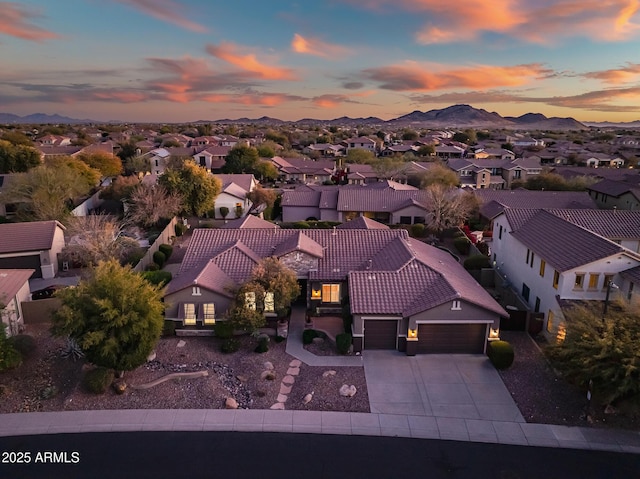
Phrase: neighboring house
x=385 y=201
x=445 y=152
x=548 y=259
x=360 y=174
x=403 y=294
x=158 y=160
x=595 y=160
x=494 y=202
x=630 y=287
x=524 y=141
x=249 y=222
x=498 y=174
x=325 y=149
x=34 y=245
x=616 y=194
x=14 y=290
x=212 y=158
x=362 y=142
x=304 y=170
x=234 y=192
x=494 y=154
x=54 y=140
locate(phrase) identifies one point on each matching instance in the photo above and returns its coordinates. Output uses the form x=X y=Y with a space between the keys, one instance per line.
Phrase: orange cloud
x=412 y=76
x=248 y=62
x=15 y=22
x=539 y=22
x=167 y=11
x=251 y=98
x=615 y=76
x=316 y=47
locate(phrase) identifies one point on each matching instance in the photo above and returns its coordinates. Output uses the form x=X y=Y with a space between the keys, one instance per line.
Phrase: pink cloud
x=15 y=22
x=168 y=11
x=316 y=47
x=230 y=53
x=412 y=76
x=616 y=76
x=541 y=22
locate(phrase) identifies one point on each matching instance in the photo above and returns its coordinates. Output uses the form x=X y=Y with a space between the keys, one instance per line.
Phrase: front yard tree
x=604 y=351
x=105 y=163
x=17 y=158
x=261 y=198
x=275 y=277
x=438 y=174
x=115 y=316
x=241 y=159
x=197 y=188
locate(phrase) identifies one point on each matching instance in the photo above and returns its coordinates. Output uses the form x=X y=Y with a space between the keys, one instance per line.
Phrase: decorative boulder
x=348 y=391
x=231 y=403
x=269 y=375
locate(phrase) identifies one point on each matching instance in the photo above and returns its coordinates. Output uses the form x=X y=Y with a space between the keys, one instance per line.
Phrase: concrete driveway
x=461 y=386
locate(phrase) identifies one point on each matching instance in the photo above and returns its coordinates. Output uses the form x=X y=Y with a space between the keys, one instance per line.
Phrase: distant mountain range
x=456 y=116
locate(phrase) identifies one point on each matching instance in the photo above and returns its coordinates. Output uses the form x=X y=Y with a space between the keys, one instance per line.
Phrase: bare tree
x=449 y=207
x=96 y=238
x=148 y=204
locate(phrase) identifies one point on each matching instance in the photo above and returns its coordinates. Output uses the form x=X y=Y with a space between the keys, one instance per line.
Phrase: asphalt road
x=235 y=455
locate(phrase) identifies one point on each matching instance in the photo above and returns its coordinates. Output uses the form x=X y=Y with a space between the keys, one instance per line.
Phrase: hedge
x=463 y=245
x=159 y=258
x=98 y=380
x=158 y=278
x=501 y=354
x=477 y=262
x=167 y=249
x=343 y=342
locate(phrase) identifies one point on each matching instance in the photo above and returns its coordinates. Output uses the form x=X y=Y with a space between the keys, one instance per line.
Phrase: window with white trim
x=331 y=293
x=208 y=313
x=250 y=300
x=189 y=312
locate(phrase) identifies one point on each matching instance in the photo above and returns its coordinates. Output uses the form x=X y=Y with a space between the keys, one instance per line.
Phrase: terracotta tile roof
x=300 y=198
x=238 y=261
x=299 y=242
x=362 y=223
x=563 y=245
x=632 y=274
x=379 y=200
x=244 y=181
x=31 y=236
x=11 y=280
x=534 y=199
x=208 y=275
x=616 y=188
x=250 y=221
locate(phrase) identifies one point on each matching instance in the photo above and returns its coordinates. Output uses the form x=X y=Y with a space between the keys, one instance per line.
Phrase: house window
x=208 y=313
x=528 y=255
x=550 y=321
x=537 y=306
x=456 y=305
x=500 y=232
x=189 y=311
x=195 y=291
x=405 y=220
x=525 y=291
x=419 y=220
x=532 y=257
x=556 y=279
x=593 y=280
x=269 y=302
x=250 y=300
x=203 y=161
x=331 y=293
x=156 y=162
x=630 y=293
x=579 y=282
x=517 y=174
x=543 y=264
x=608 y=278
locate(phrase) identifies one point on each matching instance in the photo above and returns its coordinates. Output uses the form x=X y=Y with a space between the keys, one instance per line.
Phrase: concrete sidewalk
x=393 y=425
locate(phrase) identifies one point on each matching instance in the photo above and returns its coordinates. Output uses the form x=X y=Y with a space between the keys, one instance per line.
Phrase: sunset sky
x=187 y=60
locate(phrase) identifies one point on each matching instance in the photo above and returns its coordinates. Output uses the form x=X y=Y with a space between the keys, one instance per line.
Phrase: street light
x=610 y=284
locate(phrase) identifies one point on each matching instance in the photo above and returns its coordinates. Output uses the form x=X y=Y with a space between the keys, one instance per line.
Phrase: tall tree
x=438 y=174
x=47 y=191
x=197 y=188
x=449 y=207
x=265 y=171
x=17 y=158
x=115 y=316
x=241 y=159
x=602 y=349
x=105 y=163
x=261 y=198
x=359 y=155
x=148 y=204
x=275 y=277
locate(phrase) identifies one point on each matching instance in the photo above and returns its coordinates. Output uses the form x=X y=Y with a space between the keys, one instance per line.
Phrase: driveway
x=462 y=386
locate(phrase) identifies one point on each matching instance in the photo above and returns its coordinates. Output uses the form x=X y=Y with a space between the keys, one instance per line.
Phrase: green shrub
x=158 y=278
x=417 y=230
x=98 y=380
x=343 y=342
x=263 y=344
x=169 y=328
x=230 y=345
x=9 y=357
x=180 y=229
x=153 y=237
x=308 y=335
x=483 y=247
x=159 y=258
x=152 y=267
x=463 y=245
x=167 y=249
x=23 y=343
x=134 y=257
x=301 y=225
x=223 y=329
x=477 y=262
x=501 y=354
x=459 y=234
x=279 y=339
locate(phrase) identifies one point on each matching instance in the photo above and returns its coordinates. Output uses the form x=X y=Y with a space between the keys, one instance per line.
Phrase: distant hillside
x=611 y=124
x=42 y=118
x=537 y=121
x=453 y=116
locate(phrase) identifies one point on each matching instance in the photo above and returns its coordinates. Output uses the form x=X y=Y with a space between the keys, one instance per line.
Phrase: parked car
x=47 y=292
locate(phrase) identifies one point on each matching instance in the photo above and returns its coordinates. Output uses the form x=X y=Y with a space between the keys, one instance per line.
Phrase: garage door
x=23 y=262
x=451 y=338
x=380 y=334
